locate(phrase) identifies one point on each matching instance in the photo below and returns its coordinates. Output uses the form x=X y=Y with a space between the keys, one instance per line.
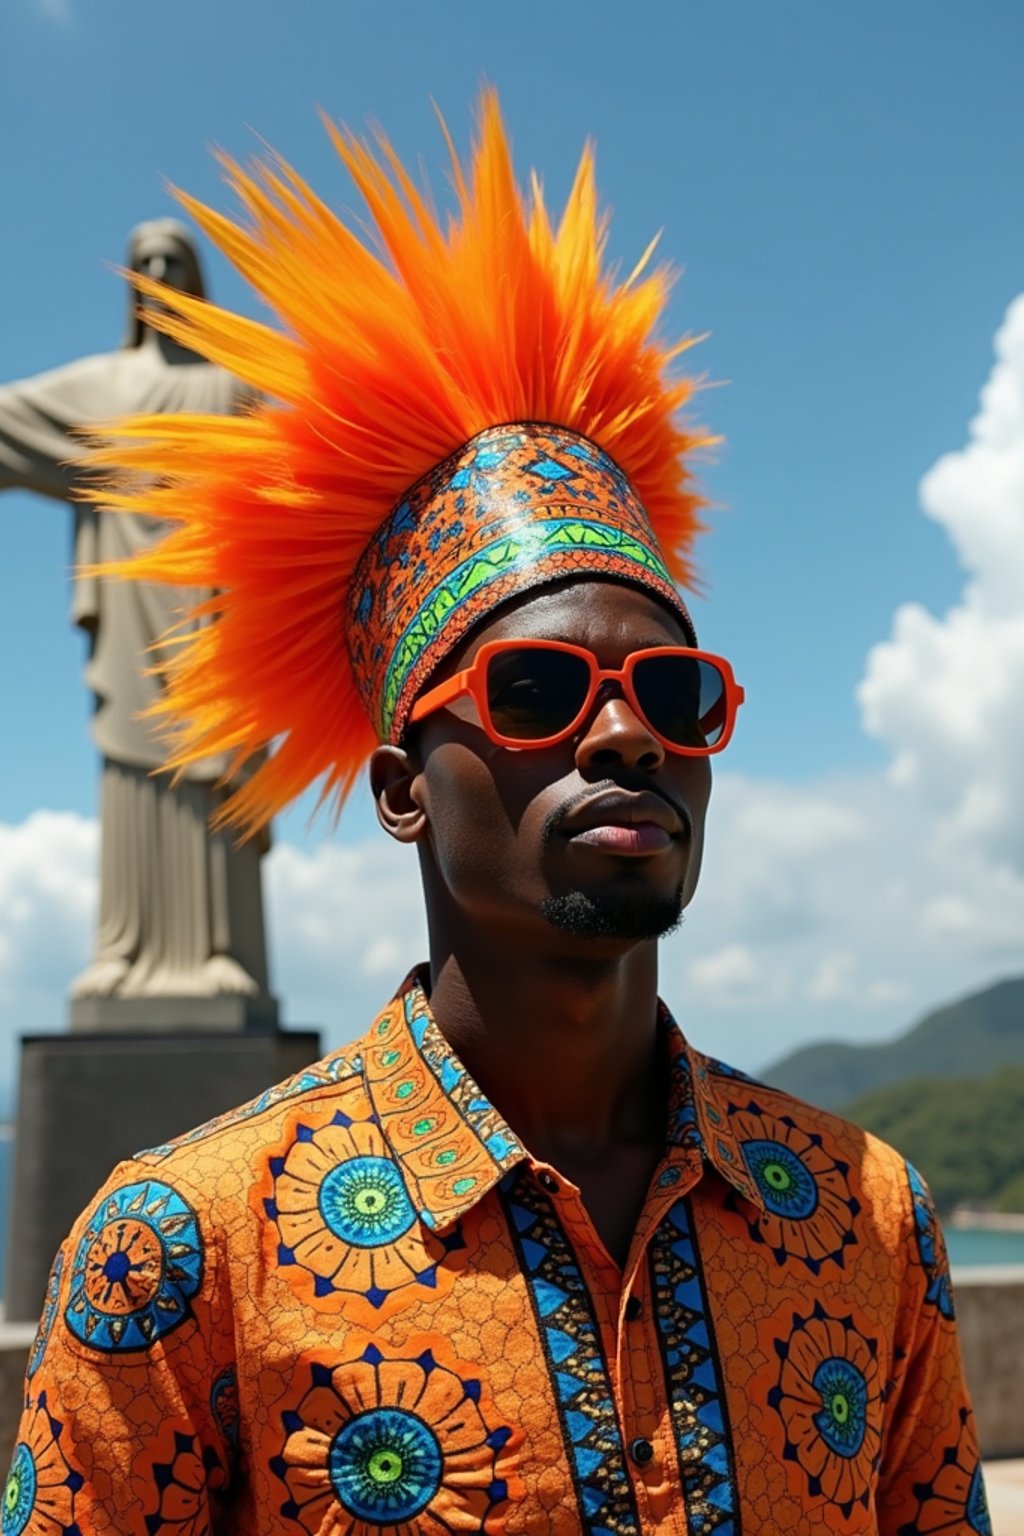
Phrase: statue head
x=166 y=250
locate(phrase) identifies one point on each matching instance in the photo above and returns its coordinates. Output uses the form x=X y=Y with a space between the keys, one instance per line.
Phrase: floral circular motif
x=40 y=1490
x=809 y=1212
x=953 y=1499
x=842 y=1422
x=19 y=1491
x=346 y=1227
x=829 y=1397
x=386 y=1465
x=787 y=1186
x=46 y=1321
x=379 y=1440
x=931 y=1246
x=976 y=1506
x=364 y=1201
x=176 y=1481
x=138 y=1265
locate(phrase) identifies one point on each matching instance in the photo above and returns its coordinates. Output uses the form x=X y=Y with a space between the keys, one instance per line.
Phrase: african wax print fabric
x=358 y=1305
x=517 y=507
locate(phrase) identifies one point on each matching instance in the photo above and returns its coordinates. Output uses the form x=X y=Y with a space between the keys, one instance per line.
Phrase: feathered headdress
x=314 y=518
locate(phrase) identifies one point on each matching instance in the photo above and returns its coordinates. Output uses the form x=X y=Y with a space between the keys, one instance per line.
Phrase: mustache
x=554 y=822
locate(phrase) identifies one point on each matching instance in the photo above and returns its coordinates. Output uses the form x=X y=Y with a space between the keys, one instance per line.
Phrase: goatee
x=638 y=915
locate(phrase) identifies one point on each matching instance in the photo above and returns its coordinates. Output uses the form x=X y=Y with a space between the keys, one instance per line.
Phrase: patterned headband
x=517 y=507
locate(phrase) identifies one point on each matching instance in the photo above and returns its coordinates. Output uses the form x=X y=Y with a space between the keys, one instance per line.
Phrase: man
x=521 y=1259
x=181 y=910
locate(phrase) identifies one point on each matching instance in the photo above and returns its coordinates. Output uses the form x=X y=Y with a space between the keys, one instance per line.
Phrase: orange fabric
x=395 y=344
x=358 y=1305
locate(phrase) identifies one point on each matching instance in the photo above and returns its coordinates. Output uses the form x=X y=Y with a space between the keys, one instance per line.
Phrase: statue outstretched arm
x=38 y=417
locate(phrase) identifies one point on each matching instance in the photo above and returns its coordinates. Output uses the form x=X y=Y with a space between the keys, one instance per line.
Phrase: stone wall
x=990 y=1315
x=990 y=1307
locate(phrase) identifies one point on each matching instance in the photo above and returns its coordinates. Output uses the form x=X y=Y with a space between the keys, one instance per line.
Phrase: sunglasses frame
x=473 y=681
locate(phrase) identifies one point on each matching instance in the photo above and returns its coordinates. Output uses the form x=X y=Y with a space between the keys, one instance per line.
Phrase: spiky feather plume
x=386 y=361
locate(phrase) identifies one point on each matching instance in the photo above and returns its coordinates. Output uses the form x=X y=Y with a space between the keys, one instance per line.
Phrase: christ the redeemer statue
x=181 y=909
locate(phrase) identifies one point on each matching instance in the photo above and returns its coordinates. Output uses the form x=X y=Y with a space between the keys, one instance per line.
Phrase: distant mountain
x=970 y=1038
x=966 y=1138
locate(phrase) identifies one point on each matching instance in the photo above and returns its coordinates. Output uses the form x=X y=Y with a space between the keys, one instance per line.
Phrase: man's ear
x=395 y=781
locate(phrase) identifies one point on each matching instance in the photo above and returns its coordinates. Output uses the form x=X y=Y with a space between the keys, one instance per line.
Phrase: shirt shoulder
x=338 y=1075
x=772 y=1132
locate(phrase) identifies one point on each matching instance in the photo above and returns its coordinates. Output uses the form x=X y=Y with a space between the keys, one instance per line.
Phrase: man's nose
x=155 y=266
x=616 y=736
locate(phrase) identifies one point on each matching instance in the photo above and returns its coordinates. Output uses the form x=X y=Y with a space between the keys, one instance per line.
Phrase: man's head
x=598 y=837
x=454 y=417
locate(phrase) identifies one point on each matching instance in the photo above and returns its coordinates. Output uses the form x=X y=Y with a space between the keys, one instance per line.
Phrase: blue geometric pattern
x=473 y=1107
x=931 y=1247
x=690 y=1361
x=507 y=553
x=572 y=1346
x=138 y=1265
x=46 y=1322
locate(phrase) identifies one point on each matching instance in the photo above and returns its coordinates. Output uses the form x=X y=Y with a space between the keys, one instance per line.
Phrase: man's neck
x=565 y=1050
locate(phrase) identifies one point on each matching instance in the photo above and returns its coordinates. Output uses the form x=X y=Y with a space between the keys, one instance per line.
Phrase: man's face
x=517 y=840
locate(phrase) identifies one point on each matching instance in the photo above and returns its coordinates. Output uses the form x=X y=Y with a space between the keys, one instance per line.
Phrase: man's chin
x=629 y=915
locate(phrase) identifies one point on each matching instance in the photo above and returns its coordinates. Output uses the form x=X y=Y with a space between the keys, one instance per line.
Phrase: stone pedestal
x=86 y=1101
x=221 y=1014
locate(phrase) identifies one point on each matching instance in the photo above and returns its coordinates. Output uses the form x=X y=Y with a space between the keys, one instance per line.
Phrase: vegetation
x=970 y=1038
x=965 y=1137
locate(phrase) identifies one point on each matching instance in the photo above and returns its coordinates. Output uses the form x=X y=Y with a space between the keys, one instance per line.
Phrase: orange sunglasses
x=536 y=693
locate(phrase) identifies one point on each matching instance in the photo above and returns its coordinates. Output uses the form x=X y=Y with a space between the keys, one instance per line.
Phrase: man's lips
x=625 y=822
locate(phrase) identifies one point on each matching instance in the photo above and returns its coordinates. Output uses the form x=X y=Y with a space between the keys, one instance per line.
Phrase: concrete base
x=126 y=1015
x=990 y=1321
x=87 y=1101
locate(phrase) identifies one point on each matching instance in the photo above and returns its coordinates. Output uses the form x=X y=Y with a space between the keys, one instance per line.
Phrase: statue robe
x=173 y=897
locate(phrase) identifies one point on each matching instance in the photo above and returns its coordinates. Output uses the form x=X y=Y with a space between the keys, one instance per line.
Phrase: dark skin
x=558 y=1028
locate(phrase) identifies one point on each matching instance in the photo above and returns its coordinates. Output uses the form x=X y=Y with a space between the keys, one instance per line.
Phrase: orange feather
x=385 y=362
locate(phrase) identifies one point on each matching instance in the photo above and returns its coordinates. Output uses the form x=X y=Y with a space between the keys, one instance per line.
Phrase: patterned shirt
x=358 y=1304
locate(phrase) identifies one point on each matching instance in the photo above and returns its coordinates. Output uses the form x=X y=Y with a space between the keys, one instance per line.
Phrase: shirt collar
x=453 y=1146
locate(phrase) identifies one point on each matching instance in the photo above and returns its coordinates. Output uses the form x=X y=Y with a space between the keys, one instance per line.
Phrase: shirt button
x=641 y=1451
x=549 y=1182
x=634 y=1307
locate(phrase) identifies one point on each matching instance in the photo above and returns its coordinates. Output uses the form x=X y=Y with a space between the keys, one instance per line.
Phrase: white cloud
x=47 y=894
x=346 y=923
x=945 y=693
x=834 y=978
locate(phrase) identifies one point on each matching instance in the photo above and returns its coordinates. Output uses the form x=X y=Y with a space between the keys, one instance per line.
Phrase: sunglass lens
x=534 y=693
x=683 y=697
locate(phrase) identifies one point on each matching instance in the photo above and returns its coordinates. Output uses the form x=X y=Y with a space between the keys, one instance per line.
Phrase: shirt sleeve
x=130 y=1413
x=931 y=1475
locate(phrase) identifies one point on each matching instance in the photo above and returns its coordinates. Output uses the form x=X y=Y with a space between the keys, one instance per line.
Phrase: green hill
x=965 y=1137
x=970 y=1038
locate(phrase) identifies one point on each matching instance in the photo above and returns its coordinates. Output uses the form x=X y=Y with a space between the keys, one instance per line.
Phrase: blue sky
x=840 y=186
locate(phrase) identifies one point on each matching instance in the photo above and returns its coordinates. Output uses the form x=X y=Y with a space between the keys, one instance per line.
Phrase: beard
x=636 y=916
